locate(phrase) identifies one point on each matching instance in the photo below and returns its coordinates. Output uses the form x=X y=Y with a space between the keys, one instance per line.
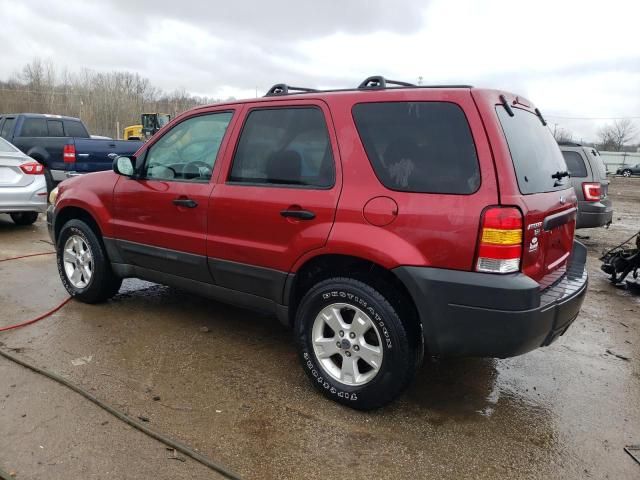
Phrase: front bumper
x=487 y=315
x=30 y=198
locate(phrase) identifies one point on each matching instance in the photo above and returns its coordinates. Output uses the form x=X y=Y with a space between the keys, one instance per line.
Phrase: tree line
x=617 y=136
x=103 y=100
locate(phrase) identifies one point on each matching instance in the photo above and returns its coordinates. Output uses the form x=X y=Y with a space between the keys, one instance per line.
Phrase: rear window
x=73 y=128
x=534 y=152
x=575 y=164
x=423 y=147
x=55 y=128
x=34 y=127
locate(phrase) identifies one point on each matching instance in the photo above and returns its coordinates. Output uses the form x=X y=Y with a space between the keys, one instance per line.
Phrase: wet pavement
x=236 y=392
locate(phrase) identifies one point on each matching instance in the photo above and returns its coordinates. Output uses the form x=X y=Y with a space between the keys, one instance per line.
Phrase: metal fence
x=614 y=160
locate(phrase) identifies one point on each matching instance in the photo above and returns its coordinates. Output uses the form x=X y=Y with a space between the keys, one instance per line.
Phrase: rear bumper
x=594 y=214
x=486 y=315
x=31 y=198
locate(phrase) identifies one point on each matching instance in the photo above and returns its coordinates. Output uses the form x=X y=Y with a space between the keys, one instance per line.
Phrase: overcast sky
x=572 y=58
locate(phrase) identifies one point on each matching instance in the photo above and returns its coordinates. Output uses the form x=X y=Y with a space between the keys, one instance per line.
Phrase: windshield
x=535 y=153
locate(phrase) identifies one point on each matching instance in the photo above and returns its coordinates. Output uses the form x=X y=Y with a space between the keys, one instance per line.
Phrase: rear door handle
x=299 y=214
x=185 y=202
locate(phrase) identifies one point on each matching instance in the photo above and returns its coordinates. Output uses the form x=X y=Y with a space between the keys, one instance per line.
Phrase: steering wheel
x=198 y=167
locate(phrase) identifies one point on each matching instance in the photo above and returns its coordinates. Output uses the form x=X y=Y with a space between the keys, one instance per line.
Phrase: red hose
x=44 y=315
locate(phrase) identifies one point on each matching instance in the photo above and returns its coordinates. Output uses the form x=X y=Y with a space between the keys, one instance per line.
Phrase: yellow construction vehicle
x=150 y=124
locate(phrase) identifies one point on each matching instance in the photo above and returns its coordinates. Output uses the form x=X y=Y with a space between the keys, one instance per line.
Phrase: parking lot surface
x=227 y=382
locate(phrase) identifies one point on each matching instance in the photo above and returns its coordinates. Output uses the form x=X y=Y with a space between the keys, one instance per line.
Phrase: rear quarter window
x=575 y=164
x=73 y=128
x=423 y=147
x=535 y=154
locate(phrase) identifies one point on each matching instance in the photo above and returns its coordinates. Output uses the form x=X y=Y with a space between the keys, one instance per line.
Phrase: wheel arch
x=328 y=265
x=73 y=212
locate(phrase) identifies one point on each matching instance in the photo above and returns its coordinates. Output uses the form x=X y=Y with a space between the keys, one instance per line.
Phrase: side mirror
x=124 y=166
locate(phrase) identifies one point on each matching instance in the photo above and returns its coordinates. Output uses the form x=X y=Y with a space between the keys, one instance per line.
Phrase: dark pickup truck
x=62 y=144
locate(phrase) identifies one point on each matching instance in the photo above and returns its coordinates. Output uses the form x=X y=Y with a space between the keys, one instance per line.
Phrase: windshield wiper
x=559 y=175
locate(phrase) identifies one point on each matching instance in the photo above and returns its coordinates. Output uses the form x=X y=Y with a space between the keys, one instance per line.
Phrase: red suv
x=382 y=223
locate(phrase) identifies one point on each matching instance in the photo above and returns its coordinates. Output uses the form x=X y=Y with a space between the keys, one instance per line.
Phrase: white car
x=23 y=188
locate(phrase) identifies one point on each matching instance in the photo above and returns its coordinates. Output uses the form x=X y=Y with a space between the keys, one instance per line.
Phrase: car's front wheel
x=83 y=264
x=626 y=173
x=24 y=218
x=354 y=347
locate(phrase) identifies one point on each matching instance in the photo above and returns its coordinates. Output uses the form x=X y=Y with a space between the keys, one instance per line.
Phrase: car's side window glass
x=34 y=127
x=7 y=127
x=285 y=147
x=188 y=151
x=73 y=128
x=575 y=164
x=55 y=128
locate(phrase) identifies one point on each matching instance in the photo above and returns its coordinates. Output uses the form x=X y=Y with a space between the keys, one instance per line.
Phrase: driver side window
x=188 y=151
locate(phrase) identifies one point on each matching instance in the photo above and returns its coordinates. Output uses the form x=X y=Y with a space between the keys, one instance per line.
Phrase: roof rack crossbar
x=284 y=89
x=378 y=81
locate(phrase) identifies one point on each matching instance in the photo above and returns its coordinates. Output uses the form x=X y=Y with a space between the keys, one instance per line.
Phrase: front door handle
x=185 y=202
x=299 y=214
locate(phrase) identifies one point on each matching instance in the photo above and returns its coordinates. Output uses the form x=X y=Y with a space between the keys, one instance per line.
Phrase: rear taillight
x=500 y=240
x=592 y=191
x=32 y=168
x=69 y=153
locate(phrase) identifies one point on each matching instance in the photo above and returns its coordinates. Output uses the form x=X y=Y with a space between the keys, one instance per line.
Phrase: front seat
x=284 y=167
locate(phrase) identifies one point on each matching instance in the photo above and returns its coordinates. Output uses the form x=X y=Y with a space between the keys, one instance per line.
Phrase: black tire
x=24 y=218
x=48 y=178
x=626 y=173
x=103 y=283
x=398 y=364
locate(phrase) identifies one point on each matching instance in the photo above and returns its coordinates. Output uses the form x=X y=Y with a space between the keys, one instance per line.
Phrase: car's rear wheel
x=353 y=345
x=83 y=265
x=24 y=218
x=626 y=173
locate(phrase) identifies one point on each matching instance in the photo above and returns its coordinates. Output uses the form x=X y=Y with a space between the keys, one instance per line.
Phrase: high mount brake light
x=69 y=153
x=500 y=241
x=591 y=191
x=32 y=168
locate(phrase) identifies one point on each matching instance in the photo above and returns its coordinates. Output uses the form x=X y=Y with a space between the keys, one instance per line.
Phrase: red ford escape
x=382 y=223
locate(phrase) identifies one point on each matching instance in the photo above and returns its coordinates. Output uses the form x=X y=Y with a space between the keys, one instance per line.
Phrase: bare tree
x=562 y=135
x=615 y=136
x=101 y=99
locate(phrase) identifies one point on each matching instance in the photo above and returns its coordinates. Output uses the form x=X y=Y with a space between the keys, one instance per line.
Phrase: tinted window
x=188 y=151
x=575 y=164
x=34 y=127
x=534 y=152
x=7 y=127
x=285 y=146
x=422 y=147
x=74 y=128
x=55 y=128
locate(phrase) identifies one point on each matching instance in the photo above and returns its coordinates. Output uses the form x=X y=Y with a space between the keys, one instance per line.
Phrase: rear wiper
x=560 y=174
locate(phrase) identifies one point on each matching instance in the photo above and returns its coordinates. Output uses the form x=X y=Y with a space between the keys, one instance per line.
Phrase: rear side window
x=7 y=127
x=575 y=164
x=34 y=127
x=424 y=147
x=534 y=152
x=73 y=128
x=597 y=165
x=284 y=146
x=55 y=128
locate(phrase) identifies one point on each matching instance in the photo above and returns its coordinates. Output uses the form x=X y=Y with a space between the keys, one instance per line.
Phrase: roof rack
x=284 y=89
x=378 y=81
